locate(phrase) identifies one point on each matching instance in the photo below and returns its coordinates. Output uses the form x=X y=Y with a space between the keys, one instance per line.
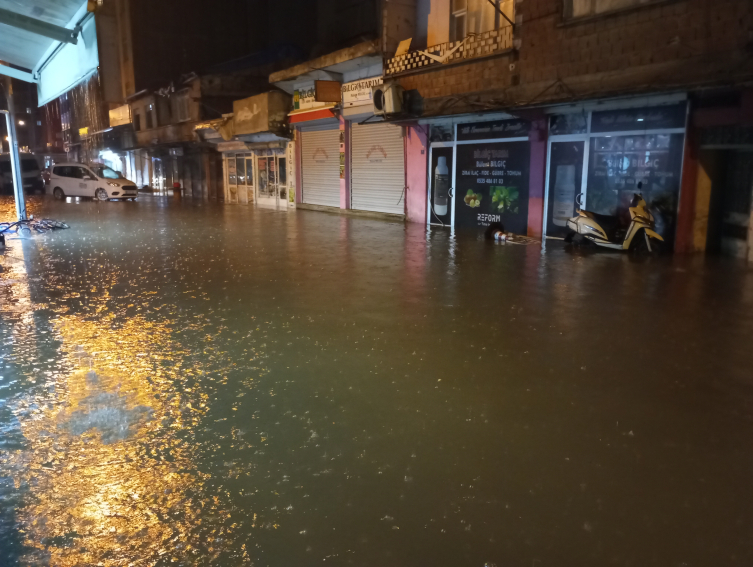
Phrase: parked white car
x=96 y=181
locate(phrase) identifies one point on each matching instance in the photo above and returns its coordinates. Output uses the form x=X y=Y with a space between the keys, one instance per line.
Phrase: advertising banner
x=439 y=197
x=492 y=185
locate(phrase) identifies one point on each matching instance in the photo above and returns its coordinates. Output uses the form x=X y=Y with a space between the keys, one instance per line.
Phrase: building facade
x=536 y=107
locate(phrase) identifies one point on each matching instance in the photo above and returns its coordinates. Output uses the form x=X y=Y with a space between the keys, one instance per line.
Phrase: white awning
x=50 y=42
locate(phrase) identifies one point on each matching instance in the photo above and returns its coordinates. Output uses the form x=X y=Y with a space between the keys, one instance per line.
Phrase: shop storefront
x=259 y=176
x=320 y=163
x=479 y=175
x=598 y=158
x=377 y=153
x=257 y=151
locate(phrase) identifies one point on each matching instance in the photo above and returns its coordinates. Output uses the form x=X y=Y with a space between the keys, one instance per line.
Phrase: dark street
x=194 y=383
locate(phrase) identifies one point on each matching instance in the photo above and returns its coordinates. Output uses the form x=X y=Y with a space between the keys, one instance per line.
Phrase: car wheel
x=100 y=195
x=58 y=194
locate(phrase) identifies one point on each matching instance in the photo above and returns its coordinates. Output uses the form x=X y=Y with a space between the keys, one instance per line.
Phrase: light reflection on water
x=195 y=384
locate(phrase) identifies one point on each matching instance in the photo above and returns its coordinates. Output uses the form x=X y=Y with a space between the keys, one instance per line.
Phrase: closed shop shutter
x=378 y=168
x=321 y=167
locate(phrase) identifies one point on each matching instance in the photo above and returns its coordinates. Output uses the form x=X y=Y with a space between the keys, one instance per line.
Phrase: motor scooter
x=606 y=230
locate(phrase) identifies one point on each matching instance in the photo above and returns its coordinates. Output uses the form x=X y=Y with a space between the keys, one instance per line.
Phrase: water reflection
x=226 y=385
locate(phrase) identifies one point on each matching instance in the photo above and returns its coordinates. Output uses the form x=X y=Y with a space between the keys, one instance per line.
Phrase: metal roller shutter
x=378 y=168
x=321 y=167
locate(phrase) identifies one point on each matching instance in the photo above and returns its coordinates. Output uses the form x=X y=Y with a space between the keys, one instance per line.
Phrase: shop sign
x=515 y=128
x=650 y=118
x=234 y=146
x=358 y=93
x=492 y=185
x=327 y=91
x=304 y=97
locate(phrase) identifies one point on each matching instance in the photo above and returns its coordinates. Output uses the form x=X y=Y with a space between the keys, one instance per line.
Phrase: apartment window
x=149 y=118
x=181 y=109
x=585 y=8
x=458 y=19
x=136 y=120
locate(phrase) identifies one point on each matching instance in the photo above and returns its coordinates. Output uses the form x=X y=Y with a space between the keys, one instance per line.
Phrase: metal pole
x=15 y=161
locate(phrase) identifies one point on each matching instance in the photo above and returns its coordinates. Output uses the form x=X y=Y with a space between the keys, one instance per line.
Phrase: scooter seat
x=610 y=224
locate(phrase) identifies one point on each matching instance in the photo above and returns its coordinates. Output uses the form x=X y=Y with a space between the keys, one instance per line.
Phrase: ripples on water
x=183 y=384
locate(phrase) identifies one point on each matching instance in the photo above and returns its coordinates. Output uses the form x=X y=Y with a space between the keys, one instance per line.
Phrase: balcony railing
x=473 y=46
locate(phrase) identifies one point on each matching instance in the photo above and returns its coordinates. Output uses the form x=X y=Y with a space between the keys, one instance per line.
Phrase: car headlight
x=113 y=185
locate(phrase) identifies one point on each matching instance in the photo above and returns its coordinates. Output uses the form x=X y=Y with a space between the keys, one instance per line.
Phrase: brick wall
x=667 y=46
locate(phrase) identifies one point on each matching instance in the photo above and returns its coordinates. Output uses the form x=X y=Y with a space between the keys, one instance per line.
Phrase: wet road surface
x=194 y=384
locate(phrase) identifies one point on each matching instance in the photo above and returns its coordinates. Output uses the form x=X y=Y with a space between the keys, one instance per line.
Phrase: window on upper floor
x=136 y=120
x=458 y=19
x=585 y=8
x=149 y=116
x=180 y=105
x=469 y=17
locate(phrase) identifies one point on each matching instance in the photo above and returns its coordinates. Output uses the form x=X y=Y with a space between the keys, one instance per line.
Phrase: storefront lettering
x=488 y=218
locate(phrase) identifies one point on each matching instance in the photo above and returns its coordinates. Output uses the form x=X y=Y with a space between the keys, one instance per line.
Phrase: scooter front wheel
x=646 y=245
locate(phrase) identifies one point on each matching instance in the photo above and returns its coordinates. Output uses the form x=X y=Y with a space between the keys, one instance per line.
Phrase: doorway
x=272 y=180
x=441 y=174
x=730 y=177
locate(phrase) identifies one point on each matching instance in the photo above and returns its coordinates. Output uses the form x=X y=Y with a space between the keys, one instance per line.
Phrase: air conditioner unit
x=387 y=98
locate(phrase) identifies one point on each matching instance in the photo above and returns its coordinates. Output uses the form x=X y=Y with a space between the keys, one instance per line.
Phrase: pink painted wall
x=298 y=167
x=416 y=163
x=536 y=178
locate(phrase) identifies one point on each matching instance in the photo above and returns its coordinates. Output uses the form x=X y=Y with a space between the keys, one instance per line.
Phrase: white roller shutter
x=377 y=168
x=321 y=167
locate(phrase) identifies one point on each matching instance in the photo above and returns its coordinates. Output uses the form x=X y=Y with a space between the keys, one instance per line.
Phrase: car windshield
x=106 y=172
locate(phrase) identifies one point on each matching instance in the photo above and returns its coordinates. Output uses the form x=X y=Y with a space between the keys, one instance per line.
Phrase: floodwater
x=198 y=384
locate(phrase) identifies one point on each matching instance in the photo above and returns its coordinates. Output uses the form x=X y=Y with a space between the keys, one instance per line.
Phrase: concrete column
x=686 y=210
x=750 y=227
x=150 y=171
x=416 y=172
x=345 y=152
x=208 y=180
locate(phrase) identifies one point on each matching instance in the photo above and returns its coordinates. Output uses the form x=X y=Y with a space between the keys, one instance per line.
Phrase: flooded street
x=198 y=384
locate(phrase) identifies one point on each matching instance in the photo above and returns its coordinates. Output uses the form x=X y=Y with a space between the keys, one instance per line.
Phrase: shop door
x=158 y=182
x=441 y=174
x=731 y=203
x=268 y=186
x=321 y=167
x=378 y=168
x=565 y=183
x=249 y=193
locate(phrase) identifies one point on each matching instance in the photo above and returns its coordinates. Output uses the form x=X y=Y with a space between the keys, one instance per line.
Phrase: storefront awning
x=50 y=42
x=309 y=114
